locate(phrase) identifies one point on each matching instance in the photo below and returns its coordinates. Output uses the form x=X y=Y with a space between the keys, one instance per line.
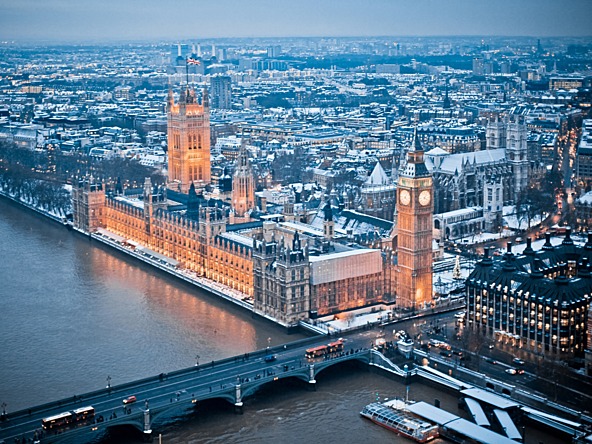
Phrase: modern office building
x=538 y=300
x=221 y=91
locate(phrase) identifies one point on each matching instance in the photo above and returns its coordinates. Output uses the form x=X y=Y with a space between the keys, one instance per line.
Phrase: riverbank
x=168 y=266
x=366 y=317
x=51 y=216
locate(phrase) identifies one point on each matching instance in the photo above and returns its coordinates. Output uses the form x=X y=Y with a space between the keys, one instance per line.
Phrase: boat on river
x=401 y=422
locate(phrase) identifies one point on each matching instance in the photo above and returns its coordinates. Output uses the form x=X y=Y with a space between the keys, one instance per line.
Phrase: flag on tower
x=192 y=61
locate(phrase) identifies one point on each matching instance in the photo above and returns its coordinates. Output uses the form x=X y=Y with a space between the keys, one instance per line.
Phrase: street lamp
x=109 y=382
x=4 y=409
x=196 y=360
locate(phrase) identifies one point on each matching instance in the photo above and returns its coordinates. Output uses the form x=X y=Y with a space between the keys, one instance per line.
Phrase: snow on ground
x=510 y=219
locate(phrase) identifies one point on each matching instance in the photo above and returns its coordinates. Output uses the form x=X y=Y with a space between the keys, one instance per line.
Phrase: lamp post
x=109 y=382
x=4 y=409
x=406 y=370
x=196 y=360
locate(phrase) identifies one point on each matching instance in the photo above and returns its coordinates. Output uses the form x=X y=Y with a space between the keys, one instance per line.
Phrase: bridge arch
x=363 y=358
x=188 y=403
x=251 y=389
x=121 y=427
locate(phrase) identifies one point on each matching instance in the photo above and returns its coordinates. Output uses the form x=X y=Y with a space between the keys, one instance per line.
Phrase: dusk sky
x=116 y=20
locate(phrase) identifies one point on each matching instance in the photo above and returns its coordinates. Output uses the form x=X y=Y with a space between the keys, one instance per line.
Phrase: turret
x=328 y=224
x=205 y=101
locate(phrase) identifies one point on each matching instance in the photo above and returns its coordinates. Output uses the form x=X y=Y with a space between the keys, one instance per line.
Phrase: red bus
x=322 y=350
x=316 y=352
x=56 y=421
x=335 y=347
x=80 y=415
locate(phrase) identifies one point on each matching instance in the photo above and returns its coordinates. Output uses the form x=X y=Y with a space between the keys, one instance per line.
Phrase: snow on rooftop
x=134 y=202
x=490 y=398
x=586 y=198
x=340 y=254
x=303 y=228
x=457 y=424
x=378 y=176
x=238 y=238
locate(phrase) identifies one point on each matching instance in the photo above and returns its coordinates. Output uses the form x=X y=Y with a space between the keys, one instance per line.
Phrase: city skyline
x=109 y=21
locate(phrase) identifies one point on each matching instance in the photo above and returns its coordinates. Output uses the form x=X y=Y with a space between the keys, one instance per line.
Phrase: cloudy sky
x=117 y=20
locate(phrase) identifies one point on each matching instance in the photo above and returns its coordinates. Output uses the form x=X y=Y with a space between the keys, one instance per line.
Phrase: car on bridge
x=129 y=399
x=270 y=358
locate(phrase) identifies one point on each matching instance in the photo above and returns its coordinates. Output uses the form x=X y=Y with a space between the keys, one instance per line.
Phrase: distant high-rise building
x=478 y=66
x=274 y=51
x=505 y=67
x=221 y=88
x=188 y=133
x=221 y=54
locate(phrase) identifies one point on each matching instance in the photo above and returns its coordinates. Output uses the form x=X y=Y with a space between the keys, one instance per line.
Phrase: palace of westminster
x=289 y=269
x=292 y=268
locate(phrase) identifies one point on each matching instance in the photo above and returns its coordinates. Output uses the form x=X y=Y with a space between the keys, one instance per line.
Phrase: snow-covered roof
x=436 y=152
x=378 y=176
x=455 y=162
x=586 y=198
x=490 y=398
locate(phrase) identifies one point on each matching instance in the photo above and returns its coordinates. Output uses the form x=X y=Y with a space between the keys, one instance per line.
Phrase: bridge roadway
x=163 y=395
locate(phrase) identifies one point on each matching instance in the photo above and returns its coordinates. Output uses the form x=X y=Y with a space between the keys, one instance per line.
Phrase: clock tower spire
x=414 y=227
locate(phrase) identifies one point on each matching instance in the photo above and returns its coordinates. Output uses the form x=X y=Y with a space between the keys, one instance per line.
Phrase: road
x=185 y=387
x=219 y=379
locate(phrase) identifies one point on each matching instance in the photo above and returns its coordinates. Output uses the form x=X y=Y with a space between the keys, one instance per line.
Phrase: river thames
x=75 y=313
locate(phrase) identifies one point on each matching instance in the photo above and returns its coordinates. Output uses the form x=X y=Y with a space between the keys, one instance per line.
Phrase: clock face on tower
x=405 y=197
x=424 y=198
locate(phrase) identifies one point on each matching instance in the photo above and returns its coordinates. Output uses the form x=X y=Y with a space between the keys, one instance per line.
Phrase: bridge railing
x=388 y=365
x=121 y=388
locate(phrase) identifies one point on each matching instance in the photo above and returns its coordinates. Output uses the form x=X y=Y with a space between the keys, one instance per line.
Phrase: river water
x=74 y=313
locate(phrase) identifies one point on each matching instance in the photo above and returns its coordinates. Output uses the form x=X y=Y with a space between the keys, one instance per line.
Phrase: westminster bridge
x=159 y=397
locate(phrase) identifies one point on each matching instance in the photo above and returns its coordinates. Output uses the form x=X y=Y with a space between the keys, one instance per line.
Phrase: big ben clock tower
x=414 y=227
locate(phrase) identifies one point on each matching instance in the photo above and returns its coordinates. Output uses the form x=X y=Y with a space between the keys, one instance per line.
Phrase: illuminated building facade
x=87 y=205
x=290 y=276
x=208 y=246
x=539 y=300
x=414 y=230
x=188 y=131
x=289 y=271
x=281 y=276
x=300 y=275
